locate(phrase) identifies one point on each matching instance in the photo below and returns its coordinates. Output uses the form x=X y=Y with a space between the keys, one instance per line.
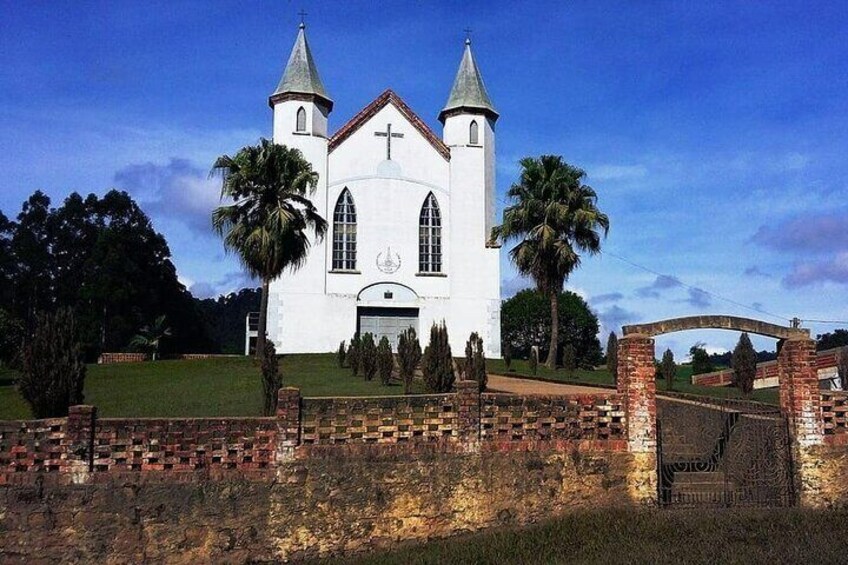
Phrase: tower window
x=301 y=119
x=473 y=133
x=430 y=237
x=344 y=233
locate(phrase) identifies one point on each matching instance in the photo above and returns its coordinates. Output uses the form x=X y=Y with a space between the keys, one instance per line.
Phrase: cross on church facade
x=388 y=135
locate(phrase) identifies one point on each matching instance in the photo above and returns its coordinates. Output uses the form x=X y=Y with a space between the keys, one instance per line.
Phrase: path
x=526 y=386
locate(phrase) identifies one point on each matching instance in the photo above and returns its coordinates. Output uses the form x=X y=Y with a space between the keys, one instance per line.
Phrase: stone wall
x=322 y=477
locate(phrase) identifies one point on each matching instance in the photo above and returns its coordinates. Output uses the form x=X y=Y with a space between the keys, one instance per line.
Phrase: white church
x=409 y=212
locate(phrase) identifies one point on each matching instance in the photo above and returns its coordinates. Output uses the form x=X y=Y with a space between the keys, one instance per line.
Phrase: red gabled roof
x=388 y=96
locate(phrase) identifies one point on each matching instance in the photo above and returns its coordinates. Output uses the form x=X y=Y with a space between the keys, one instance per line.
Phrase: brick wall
x=767 y=372
x=324 y=476
x=110 y=358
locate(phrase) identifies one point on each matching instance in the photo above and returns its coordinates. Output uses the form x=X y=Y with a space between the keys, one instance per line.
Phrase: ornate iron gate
x=713 y=452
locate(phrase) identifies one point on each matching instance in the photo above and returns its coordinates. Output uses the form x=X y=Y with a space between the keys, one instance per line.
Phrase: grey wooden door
x=389 y=322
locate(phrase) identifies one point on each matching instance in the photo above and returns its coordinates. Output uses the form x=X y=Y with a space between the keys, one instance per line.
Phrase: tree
x=831 y=340
x=385 y=361
x=554 y=217
x=700 y=359
x=506 y=350
x=150 y=337
x=475 y=361
x=668 y=369
x=409 y=356
x=612 y=356
x=368 y=356
x=11 y=332
x=225 y=317
x=526 y=322
x=271 y=379
x=744 y=363
x=534 y=360
x=437 y=363
x=268 y=224
x=53 y=373
x=340 y=355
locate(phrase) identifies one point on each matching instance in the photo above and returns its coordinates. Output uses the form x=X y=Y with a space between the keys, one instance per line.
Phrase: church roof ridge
x=386 y=97
x=301 y=73
x=468 y=89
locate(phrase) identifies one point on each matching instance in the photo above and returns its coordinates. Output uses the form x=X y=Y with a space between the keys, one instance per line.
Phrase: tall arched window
x=430 y=237
x=344 y=233
x=301 y=119
x=473 y=133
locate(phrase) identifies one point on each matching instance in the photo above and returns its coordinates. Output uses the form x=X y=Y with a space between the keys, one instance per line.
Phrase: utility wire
x=698 y=289
x=835 y=322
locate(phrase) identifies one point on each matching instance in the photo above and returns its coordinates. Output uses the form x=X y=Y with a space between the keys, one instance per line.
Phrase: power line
x=698 y=289
x=836 y=322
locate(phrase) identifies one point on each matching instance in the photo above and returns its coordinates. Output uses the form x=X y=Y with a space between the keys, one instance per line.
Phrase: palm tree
x=554 y=217
x=267 y=224
x=150 y=337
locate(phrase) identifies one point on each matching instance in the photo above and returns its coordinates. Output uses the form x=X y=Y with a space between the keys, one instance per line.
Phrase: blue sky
x=714 y=132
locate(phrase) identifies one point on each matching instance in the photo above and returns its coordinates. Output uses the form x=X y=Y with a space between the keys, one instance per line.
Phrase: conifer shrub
x=507 y=355
x=569 y=359
x=437 y=364
x=409 y=356
x=612 y=356
x=668 y=369
x=368 y=357
x=352 y=356
x=341 y=354
x=385 y=361
x=842 y=367
x=475 y=361
x=53 y=372
x=271 y=378
x=744 y=364
x=534 y=360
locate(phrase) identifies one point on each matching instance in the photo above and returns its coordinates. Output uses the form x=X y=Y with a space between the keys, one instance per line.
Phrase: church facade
x=409 y=216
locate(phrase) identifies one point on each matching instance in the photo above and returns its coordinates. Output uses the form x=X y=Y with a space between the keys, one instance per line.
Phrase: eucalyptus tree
x=269 y=222
x=554 y=218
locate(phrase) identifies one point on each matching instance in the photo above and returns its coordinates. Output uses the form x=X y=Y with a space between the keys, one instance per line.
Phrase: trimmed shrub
x=744 y=363
x=475 y=361
x=668 y=369
x=842 y=367
x=385 y=360
x=507 y=355
x=409 y=356
x=534 y=360
x=353 y=356
x=437 y=364
x=612 y=356
x=341 y=354
x=368 y=357
x=53 y=369
x=569 y=359
x=271 y=378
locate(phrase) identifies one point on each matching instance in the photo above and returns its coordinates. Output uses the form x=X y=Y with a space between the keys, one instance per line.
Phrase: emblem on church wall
x=387 y=261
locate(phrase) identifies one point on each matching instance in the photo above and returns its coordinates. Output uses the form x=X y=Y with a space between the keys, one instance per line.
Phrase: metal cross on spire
x=388 y=135
x=302 y=15
x=467 y=36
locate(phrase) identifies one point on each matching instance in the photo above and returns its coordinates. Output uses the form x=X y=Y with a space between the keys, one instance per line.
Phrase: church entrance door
x=389 y=322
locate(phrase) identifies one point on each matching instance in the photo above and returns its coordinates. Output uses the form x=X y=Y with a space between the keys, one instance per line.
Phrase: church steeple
x=300 y=78
x=468 y=92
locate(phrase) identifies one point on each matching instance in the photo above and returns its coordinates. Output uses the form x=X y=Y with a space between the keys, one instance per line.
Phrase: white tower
x=469 y=131
x=301 y=107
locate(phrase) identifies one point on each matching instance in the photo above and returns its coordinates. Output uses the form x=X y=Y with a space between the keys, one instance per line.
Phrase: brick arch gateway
x=799 y=412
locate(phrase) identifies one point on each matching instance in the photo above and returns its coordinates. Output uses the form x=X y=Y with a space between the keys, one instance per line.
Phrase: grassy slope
x=210 y=387
x=682 y=382
x=715 y=536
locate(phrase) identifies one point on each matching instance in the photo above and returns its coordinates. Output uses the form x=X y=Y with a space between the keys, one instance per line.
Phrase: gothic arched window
x=430 y=237
x=344 y=233
x=473 y=133
x=301 y=119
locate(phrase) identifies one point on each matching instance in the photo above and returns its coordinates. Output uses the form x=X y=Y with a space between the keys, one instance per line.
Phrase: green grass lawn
x=785 y=536
x=682 y=381
x=209 y=387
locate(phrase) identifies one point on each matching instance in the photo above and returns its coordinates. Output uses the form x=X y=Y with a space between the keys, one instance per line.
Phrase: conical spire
x=301 y=74
x=468 y=89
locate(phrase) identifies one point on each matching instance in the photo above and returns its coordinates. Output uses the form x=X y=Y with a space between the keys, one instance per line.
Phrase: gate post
x=800 y=403
x=638 y=386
